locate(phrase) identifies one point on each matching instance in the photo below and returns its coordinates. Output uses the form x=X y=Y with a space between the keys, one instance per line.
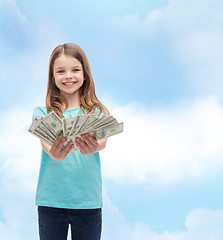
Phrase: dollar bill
x=107 y=132
x=48 y=128
x=68 y=123
x=41 y=136
x=53 y=123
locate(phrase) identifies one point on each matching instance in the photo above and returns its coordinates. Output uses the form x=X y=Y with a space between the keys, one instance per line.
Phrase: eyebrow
x=72 y=67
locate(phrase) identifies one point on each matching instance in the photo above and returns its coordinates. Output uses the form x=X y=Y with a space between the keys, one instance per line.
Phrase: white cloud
x=177 y=17
x=10 y=8
x=14 y=24
x=158 y=145
x=25 y=39
x=20 y=160
x=205 y=224
x=192 y=32
x=201 y=223
x=165 y=144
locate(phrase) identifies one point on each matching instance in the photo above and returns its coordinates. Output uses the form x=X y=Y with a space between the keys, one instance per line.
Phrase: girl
x=69 y=188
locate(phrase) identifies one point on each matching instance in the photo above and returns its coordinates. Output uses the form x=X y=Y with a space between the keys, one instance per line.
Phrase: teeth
x=69 y=83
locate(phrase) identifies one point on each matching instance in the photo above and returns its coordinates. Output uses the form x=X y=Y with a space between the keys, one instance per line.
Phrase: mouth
x=69 y=83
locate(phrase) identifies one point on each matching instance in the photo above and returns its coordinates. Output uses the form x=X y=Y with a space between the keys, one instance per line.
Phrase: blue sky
x=157 y=66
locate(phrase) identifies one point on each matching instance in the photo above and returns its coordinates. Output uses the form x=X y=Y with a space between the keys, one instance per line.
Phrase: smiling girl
x=69 y=190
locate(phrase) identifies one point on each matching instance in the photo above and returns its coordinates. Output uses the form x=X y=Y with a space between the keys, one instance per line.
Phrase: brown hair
x=87 y=95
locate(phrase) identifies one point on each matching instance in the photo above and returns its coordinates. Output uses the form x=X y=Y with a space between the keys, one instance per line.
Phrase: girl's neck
x=73 y=101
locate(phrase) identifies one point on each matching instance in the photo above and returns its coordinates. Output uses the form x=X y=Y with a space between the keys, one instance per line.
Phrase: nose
x=68 y=75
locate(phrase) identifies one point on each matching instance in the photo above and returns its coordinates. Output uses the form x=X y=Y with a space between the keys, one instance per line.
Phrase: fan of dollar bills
x=48 y=128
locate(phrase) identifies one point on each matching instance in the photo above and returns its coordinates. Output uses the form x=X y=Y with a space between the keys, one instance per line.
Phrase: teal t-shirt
x=74 y=182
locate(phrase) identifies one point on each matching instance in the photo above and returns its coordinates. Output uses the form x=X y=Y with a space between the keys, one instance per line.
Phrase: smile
x=69 y=83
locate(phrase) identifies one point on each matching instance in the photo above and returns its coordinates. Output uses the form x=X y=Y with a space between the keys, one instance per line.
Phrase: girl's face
x=68 y=74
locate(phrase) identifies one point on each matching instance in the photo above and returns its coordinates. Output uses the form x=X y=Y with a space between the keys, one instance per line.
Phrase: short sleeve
x=97 y=111
x=39 y=112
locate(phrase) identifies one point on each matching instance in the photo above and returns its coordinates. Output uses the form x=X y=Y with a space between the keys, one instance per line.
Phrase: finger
x=81 y=148
x=56 y=143
x=90 y=140
x=81 y=144
x=87 y=141
x=60 y=146
x=67 y=148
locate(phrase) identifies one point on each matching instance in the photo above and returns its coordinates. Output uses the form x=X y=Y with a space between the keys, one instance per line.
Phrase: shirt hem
x=57 y=205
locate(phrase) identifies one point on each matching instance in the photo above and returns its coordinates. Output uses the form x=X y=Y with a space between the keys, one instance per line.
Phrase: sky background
x=158 y=67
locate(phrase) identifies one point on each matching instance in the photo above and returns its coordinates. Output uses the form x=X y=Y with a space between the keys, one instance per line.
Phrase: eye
x=76 y=70
x=60 y=71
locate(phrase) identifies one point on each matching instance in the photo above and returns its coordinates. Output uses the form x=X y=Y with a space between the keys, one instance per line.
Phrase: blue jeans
x=86 y=224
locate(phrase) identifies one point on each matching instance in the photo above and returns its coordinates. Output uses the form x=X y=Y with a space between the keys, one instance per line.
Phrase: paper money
x=48 y=128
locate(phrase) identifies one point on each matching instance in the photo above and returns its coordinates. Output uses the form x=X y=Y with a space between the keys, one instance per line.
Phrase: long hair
x=88 y=100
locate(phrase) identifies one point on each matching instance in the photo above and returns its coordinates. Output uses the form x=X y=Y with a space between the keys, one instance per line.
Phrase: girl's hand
x=88 y=146
x=57 y=151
